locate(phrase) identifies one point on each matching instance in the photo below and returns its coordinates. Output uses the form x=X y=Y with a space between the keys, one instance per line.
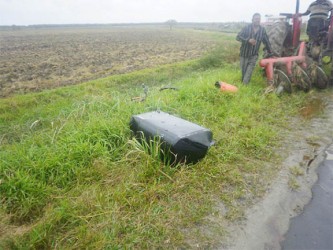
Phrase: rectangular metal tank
x=183 y=140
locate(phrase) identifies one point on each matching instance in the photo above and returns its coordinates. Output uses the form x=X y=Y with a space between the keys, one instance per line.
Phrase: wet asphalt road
x=313 y=229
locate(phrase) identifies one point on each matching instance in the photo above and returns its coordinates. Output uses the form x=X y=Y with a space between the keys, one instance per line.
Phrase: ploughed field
x=35 y=59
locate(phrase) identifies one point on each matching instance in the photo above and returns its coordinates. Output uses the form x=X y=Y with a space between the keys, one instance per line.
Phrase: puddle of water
x=313 y=107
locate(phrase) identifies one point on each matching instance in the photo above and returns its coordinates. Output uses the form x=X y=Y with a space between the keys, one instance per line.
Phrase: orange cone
x=226 y=87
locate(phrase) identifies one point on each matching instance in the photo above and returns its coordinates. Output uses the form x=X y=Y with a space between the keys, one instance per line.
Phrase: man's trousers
x=247 y=65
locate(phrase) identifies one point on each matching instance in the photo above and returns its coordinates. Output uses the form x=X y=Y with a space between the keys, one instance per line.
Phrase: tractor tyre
x=277 y=34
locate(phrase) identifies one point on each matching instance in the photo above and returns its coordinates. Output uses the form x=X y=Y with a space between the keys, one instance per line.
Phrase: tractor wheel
x=318 y=77
x=301 y=79
x=277 y=34
x=281 y=82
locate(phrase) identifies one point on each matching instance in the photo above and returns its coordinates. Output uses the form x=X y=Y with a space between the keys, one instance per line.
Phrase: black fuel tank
x=184 y=140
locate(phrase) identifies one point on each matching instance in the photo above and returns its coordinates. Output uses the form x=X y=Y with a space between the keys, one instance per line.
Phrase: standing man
x=318 y=11
x=251 y=37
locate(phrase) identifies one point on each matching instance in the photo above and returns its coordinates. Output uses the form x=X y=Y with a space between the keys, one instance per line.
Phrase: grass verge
x=71 y=176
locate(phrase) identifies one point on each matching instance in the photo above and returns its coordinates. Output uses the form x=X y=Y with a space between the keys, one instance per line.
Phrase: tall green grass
x=71 y=175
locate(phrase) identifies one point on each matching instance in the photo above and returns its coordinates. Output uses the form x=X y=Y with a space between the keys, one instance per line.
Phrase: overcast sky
x=27 y=12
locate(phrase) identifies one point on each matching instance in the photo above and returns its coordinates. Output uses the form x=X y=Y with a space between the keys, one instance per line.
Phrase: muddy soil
x=268 y=220
x=44 y=58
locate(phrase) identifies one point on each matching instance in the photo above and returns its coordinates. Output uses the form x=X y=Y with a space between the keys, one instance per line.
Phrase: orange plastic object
x=226 y=87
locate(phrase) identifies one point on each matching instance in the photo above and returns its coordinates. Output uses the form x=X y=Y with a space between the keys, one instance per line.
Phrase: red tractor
x=298 y=64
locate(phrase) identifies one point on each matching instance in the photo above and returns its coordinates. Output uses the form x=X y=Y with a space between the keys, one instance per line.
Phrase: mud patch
x=313 y=108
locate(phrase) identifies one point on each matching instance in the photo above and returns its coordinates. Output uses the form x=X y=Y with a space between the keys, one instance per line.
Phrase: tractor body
x=298 y=64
